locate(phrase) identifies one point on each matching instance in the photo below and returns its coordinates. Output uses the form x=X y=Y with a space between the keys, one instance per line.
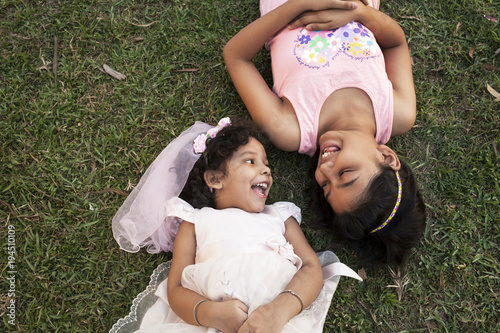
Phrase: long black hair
x=391 y=244
x=219 y=150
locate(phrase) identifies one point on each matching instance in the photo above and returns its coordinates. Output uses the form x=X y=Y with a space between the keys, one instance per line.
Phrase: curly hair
x=219 y=150
x=391 y=244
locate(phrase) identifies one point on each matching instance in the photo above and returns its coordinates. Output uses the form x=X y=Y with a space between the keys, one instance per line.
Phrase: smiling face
x=347 y=163
x=247 y=180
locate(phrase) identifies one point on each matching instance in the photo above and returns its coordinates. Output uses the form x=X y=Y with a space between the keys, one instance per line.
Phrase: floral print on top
x=315 y=49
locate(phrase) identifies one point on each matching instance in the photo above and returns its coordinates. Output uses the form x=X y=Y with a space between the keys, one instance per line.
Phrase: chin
x=257 y=209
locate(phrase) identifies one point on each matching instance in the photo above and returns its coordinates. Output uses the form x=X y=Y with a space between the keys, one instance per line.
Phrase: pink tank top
x=308 y=66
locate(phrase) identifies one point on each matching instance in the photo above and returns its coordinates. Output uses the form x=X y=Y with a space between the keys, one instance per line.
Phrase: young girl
x=339 y=95
x=238 y=264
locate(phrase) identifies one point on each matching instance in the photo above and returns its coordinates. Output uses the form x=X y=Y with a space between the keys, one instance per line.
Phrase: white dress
x=239 y=255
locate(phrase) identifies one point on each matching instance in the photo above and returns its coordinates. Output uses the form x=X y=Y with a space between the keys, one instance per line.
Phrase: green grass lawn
x=73 y=144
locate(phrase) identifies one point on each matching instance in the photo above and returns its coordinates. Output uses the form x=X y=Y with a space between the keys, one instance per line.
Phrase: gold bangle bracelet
x=298 y=297
x=195 y=309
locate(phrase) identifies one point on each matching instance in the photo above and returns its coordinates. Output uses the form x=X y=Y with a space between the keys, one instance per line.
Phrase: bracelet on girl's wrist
x=195 y=310
x=297 y=296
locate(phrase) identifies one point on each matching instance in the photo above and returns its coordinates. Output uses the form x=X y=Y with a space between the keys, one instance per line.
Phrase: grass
x=72 y=143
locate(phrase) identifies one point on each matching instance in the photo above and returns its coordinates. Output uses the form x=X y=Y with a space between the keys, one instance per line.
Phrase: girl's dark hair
x=391 y=244
x=219 y=149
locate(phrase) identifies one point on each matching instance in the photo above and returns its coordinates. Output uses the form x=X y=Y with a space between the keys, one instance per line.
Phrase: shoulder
x=405 y=113
x=285 y=210
x=176 y=207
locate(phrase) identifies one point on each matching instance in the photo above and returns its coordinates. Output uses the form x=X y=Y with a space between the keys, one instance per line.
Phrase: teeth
x=263 y=185
x=326 y=154
x=328 y=151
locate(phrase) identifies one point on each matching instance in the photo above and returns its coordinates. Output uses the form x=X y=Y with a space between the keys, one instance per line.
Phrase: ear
x=213 y=178
x=390 y=157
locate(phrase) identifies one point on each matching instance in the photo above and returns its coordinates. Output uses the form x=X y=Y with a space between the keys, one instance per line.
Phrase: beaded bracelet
x=298 y=297
x=195 y=309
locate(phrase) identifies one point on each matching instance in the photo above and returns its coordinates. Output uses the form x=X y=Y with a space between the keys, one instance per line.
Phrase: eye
x=250 y=160
x=343 y=172
x=324 y=185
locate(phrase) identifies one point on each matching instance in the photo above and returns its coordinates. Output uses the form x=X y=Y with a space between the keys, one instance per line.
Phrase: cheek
x=338 y=204
x=319 y=177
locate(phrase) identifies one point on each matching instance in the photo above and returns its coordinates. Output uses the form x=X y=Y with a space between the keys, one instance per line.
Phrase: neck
x=347 y=109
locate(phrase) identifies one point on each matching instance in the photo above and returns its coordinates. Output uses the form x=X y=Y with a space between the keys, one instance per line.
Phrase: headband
x=200 y=143
x=142 y=220
x=398 y=201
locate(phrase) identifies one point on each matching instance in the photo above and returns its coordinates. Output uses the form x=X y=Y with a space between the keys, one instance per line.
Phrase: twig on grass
x=55 y=62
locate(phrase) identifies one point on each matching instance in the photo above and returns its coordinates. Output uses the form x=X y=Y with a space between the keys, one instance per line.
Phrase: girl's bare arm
x=265 y=107
x=392 y=40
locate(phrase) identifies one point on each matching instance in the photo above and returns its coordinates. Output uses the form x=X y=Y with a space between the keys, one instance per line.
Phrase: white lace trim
x=142 y=302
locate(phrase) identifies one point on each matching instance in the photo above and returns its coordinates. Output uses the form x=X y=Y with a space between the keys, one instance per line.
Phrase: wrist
x=202 y=313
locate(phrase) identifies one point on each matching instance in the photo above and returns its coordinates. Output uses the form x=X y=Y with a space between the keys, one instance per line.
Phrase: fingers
x=345 y=5
x=317 y=26
x=307 y=20
x=243 y=307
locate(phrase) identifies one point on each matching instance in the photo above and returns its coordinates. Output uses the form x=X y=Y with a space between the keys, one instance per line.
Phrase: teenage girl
x=238 y=264
x=339 y=95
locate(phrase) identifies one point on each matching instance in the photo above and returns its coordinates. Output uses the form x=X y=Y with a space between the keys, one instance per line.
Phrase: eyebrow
x=349 y=183
x=344 y=185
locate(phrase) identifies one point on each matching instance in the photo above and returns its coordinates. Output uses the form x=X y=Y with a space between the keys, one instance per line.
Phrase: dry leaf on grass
x=362 y=273
x=117 y=75
x=143 y=25
x=471 y=51
x=437 y=69
x=492 y=91
x=490 y=68
x=185 y=70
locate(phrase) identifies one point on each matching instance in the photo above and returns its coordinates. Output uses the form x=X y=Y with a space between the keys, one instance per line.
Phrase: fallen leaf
x=491 y=68
x=362 y=274
x=137 y=39
x=185 y=70
x=411 y=18
x=14 y=35
x=117 y=75
x=471 y=52
x=143 y=25
x=437 y=69
x=493 y=92
x=458 y=27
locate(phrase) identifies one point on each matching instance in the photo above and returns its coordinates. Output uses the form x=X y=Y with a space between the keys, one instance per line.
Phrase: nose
x=323 y=172
x=266 y=170
x=326 y=167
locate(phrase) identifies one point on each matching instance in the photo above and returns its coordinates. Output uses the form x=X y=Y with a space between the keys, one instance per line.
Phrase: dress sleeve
x=287 y=209
x=176 y=207
x=176 y=211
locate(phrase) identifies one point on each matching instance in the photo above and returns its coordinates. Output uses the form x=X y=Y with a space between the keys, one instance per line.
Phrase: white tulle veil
x=142 y=220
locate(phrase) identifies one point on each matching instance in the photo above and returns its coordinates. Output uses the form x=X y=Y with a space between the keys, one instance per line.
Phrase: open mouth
x=260 y=189
x=329 y=150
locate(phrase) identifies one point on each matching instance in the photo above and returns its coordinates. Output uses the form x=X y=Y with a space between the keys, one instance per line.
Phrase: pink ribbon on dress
x=284 y=250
